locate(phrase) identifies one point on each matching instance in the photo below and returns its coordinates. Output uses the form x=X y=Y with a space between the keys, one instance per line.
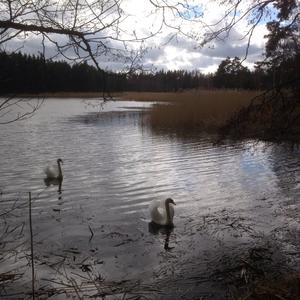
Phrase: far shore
x=142 y=96
x=198 y=108
x=65 y=95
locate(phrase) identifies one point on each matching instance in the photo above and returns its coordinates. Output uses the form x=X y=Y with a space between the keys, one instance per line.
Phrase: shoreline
x=137 y=96
x=65 y=95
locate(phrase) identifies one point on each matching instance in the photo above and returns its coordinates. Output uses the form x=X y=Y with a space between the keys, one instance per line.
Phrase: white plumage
x=54 y=171
x=162 y=212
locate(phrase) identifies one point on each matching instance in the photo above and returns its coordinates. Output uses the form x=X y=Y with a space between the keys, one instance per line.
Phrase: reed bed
x=199 y=109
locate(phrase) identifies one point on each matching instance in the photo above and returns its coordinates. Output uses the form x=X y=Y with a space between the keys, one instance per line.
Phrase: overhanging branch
x=37 y=28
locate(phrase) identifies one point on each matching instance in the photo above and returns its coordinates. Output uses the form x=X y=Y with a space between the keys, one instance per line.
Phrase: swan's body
x=162 y=212
x=54 y=172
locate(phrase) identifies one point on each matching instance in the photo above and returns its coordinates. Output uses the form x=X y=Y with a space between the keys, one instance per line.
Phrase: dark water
x=236 y=202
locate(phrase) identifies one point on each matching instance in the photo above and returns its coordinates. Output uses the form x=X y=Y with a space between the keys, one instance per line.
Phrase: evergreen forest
x=22 y=73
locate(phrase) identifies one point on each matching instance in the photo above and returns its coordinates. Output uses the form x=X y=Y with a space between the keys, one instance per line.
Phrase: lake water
x=236 y=202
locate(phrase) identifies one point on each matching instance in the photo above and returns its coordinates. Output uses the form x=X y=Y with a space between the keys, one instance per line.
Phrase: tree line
x=22 y=73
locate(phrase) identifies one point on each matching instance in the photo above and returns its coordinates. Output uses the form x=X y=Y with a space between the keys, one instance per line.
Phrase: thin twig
x=31 y=248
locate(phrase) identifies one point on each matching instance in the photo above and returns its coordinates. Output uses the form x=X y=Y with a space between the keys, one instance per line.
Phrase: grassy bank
x=202 y=109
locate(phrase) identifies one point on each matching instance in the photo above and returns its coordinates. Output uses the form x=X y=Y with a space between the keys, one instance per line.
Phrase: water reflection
x=286 y=166
x=165 y=231
x=117 y=167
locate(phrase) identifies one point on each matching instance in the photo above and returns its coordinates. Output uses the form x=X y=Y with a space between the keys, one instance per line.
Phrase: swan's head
x=170 y=201
x=59 y=161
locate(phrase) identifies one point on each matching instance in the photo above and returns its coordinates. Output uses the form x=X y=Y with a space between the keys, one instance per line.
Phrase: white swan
x=162 y=212
x=54 y=172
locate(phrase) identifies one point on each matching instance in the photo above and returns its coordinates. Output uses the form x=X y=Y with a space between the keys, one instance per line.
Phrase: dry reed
x=206 y=109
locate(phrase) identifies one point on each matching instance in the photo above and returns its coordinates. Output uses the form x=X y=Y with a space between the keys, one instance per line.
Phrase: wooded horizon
x=24 y=73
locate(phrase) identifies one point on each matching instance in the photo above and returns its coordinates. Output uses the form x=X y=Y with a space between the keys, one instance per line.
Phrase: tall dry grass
x=205 y=109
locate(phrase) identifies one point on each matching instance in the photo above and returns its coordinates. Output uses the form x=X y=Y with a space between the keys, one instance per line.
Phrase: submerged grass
x=199 y=109
x=248 y=273
x=284 y=288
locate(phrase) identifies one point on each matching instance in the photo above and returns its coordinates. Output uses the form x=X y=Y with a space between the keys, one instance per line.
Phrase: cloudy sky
x=169 y=49
x=182 y=53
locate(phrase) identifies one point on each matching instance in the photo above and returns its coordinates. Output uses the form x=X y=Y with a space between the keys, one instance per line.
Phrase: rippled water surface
x=231 y=198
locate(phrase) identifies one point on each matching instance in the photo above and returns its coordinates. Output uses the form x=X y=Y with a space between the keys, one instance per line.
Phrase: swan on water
x=162 y=212
x=54 y=172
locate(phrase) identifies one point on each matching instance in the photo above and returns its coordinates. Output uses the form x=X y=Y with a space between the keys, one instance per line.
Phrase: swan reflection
x=166 y=231
x=54 y=181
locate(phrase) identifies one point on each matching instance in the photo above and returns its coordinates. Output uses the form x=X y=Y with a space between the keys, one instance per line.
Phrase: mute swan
x=54 y=172
x=162 y=212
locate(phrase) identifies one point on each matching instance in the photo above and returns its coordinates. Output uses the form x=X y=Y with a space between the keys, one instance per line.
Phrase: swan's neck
x=59 y=170
x=169 y=220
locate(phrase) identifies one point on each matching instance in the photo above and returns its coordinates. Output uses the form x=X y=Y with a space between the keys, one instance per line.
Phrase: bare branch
x=14 y=109
x=42 y=29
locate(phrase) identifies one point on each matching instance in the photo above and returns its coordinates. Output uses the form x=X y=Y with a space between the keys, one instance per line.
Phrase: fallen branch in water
x=92 y=233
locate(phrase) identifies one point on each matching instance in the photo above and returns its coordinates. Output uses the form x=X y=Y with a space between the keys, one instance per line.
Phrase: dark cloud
x=223 y=49
x=233 y=45
x=153 y=54
x=179 y=42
